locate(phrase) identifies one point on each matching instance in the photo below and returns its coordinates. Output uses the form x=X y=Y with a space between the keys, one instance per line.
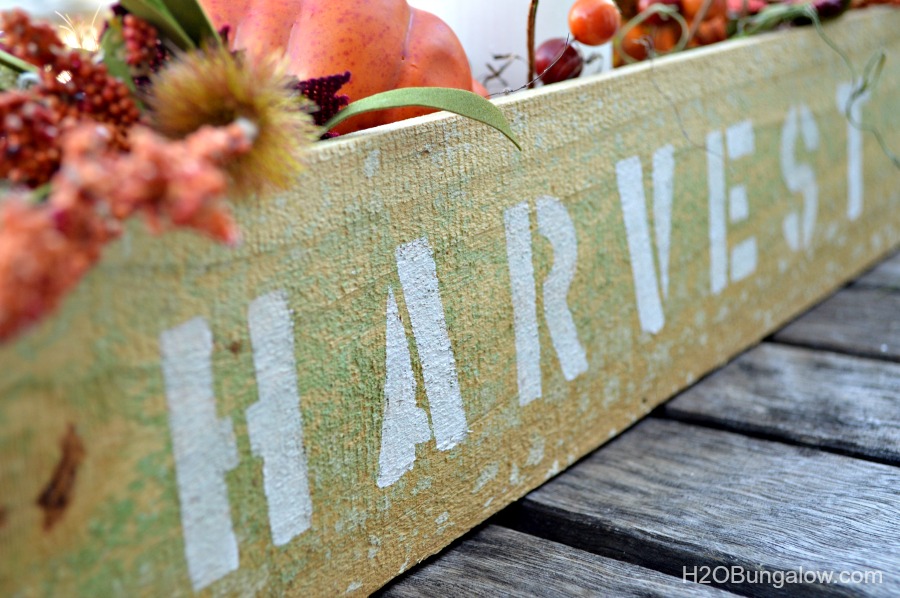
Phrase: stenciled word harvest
x=204 y=445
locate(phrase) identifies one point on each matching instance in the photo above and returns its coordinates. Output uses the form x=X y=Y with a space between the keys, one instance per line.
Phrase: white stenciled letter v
x=647 y=285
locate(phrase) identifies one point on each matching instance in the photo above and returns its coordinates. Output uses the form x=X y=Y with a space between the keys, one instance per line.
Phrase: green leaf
x=459 y=101
x=40 y=194
x=113 y=46
x=156 y=13
x=15 y=64
x=193 y=20
x=8 y=79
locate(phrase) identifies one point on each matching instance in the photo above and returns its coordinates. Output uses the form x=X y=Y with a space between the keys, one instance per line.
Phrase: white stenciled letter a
x=405 y=425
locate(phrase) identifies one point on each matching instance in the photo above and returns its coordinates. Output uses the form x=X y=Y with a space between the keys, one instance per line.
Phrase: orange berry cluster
x=714 y=26
x=142 y=44
x=658 y=35
x=29 y=139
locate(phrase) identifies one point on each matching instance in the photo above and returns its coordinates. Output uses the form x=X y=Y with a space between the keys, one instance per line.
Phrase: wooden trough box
x=434 y=323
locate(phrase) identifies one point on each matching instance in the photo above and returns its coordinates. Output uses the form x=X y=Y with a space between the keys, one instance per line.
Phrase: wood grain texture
x=810 y=397
x=498 y=561
x=668 y=495
x=387 y=271
x=885 y=275
x=860 y=321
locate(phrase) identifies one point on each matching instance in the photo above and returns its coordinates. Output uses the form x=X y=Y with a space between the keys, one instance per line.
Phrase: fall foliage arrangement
x=184 y=103
x=181 y=106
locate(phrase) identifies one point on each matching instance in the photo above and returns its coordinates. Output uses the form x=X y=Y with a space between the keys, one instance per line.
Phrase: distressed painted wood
x=433 y=324
x=498 y=561
x=859 y=321
x=670 y=496
x=810 y=397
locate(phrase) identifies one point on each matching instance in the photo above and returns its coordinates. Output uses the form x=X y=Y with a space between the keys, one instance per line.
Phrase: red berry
x=594 y=22
x=829 y=9
x=142 y=43
x=555 y=61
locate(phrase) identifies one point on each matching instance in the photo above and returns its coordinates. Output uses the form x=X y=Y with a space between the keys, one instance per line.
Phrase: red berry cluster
x=72 y=87
x=35 y=43
x=324 y=92
x=142 y=43
x=89 y=91
x=29 y=139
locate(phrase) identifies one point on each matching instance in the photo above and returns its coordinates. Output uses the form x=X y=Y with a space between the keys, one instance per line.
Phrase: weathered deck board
x=885 y=275
x=811 y=397
x=668 y=495
x=502 y=562
x=864 y=322
x=806 y=396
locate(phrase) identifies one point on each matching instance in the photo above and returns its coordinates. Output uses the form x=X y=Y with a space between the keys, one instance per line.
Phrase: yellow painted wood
x=329 y=248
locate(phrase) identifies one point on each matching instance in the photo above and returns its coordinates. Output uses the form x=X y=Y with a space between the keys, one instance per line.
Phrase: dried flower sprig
x=29 y=137
x=229 y=125
x=215 y=87
x=45 y=249
x=39 y=264
x=70 y=84
x=143 y=45
x=35 y=43
x=164 y=122
x=174 y=184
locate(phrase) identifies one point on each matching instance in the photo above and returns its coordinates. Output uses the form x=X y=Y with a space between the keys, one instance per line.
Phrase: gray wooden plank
x=822 y=399
x=886 y=275
x=668 y=495
x=858 y=321
x=497 y=561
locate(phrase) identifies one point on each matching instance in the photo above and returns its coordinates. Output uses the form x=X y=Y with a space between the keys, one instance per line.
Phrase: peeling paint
x=536 y=452
x=487 y=474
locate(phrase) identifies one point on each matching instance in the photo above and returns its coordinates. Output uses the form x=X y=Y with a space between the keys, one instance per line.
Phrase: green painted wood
x=245 y=421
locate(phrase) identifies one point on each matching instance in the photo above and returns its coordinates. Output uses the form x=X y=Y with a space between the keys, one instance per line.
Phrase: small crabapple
x=594 y=22
x=556 y=60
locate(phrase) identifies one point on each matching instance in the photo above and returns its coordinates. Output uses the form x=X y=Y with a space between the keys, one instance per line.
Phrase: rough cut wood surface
x=859 y=321
x=498 y=561
x=884 y=275
x=811 y=397
x=433 y=323
x=667 y=496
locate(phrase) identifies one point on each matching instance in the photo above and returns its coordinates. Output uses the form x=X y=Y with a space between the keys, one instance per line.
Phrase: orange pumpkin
x=385 y=44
